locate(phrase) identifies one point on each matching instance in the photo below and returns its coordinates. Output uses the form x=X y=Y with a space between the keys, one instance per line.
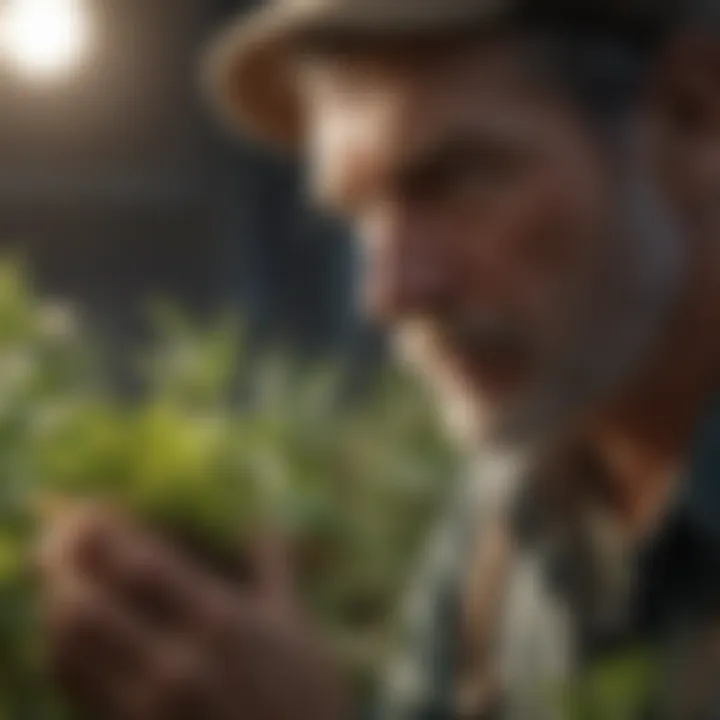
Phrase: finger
x=272 y=570
x=153 y=581
x=97 y=654
x=74 y=537
x=145 y=575
x=183 y=685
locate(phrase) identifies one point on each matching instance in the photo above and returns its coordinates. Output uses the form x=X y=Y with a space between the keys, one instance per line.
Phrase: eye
x=463 y=172
x=470 y=174
x=483 y=170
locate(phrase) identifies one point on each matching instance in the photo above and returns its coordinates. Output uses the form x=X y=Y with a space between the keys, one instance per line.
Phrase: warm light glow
x=45 y=38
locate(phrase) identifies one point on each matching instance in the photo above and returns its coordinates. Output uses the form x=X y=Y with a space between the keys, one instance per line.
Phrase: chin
x=474 y=416
x=468 y=421
x=480 y=421
x=517 y=419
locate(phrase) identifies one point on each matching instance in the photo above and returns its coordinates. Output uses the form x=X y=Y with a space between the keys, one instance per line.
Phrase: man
x=536 y=190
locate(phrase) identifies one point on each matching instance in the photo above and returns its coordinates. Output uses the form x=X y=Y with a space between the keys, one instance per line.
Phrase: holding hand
x=138 y=631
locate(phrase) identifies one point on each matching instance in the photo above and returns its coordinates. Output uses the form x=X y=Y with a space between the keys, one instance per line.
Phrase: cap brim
x=249 y=71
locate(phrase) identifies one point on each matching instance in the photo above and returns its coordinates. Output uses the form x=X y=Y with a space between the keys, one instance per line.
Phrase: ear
x=686 y=101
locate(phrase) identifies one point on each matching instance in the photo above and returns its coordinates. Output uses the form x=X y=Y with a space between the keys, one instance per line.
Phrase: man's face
x=499 y=241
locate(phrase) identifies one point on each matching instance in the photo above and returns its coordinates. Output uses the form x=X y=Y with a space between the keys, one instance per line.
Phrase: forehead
x=368 y=114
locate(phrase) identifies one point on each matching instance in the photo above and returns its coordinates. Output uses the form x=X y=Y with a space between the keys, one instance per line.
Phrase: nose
x=407 y=268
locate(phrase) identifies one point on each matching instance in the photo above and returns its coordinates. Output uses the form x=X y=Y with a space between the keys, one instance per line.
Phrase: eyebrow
x=425 y=167
x=432 y=165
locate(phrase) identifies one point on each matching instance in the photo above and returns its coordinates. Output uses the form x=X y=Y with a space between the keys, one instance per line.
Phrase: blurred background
x=117 y=185
x=177 y=335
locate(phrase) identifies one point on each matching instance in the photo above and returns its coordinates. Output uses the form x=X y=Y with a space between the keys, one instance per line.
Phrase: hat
x=250 y=69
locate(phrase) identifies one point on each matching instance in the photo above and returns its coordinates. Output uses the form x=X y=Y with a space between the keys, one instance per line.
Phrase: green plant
x=218 y=446
x=620 y=687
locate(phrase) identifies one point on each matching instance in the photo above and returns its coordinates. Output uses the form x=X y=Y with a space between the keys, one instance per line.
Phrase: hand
x=139 y=632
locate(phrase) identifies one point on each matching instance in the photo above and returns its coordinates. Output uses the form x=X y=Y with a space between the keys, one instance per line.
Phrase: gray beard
x=616 y=326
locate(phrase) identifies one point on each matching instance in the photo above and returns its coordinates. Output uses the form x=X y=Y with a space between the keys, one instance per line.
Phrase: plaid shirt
x=569 y=606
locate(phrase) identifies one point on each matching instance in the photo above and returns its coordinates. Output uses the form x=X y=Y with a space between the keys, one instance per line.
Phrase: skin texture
x=504 y=245
x=139 y=631
x=552 y=282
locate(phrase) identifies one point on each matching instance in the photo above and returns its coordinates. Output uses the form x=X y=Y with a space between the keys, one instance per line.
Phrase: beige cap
x=250 y=74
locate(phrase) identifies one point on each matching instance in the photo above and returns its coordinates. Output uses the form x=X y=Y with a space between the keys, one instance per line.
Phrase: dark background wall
x=119 y=187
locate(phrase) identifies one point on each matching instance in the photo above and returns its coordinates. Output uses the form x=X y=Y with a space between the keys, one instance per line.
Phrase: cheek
x=555 y=256
x=530 y=255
